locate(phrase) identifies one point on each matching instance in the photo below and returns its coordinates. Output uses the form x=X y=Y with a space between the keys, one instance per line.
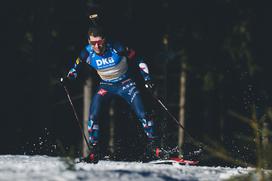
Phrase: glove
x=72 y=74
x=150 y=85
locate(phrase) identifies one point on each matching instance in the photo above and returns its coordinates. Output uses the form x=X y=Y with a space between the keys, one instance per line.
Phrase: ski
x=170 y=161
x=175 y=160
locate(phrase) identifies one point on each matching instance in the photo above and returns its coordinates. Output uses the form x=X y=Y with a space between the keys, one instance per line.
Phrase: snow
x=45 y=168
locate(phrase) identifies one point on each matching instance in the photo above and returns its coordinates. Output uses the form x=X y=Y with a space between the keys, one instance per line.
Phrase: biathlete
x=111 y=62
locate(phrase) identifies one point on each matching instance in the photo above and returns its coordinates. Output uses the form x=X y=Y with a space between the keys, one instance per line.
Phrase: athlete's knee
x=148 y=126
x=92 y=125
x=146 y=123
x=93 y=129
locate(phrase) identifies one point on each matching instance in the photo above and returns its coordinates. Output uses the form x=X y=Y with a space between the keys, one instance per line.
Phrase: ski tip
x=184 y=161
x=175 y=160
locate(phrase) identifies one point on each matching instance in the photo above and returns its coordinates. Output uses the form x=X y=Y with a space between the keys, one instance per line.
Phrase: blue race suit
x=112 y=67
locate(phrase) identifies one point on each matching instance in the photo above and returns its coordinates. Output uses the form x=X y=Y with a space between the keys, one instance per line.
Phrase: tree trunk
x=87 y=93
x=182 y=103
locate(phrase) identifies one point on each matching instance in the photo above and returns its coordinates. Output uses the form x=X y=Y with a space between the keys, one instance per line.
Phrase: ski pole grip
x=63 y=80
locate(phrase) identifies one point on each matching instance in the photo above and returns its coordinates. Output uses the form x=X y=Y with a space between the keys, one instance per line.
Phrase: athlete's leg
x=146 y=121
x=131 y=94
x=93 y=128
x=95 y=109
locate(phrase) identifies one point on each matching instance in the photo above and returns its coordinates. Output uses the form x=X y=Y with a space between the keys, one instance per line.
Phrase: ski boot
x=152 y=152
x=93 y=156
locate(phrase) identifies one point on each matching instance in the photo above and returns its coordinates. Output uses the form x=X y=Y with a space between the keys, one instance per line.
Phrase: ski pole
x=170 y=114
x=74 y=111
x=199 y=144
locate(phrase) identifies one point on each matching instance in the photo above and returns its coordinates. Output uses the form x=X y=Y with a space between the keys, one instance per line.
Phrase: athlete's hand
x=150 y=85
x=72 y=74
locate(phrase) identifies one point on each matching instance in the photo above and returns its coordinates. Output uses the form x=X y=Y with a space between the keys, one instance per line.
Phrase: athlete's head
x=96 y=38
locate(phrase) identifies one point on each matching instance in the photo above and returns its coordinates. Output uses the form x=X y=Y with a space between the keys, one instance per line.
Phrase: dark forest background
x=224 y=44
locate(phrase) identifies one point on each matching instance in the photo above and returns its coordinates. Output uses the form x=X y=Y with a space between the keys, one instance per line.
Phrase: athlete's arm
x=80 y=59
x=131 y=55
x=142 y=66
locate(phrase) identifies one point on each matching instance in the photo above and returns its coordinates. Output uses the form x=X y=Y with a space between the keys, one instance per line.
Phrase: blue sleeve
x=131 y=55
x=119 y=47
x=81 y=59
x=73 y=72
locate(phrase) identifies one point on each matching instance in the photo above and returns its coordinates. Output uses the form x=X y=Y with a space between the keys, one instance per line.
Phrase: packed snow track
x=43 y=168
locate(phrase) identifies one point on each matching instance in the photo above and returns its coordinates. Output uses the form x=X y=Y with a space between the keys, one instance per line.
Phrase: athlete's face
x=98 y=44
